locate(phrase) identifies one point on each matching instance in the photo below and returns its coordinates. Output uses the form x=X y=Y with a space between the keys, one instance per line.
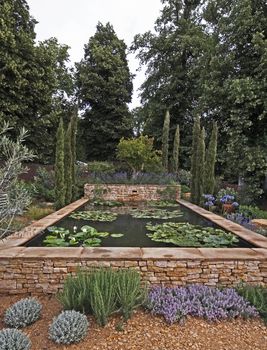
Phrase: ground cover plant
x=13 y=339
x=183 y=234
x=23 y=313
x=213 y=304
x=68 y=327
x=94 y=215
x=155 y=213
x=103 y=292
x=88 y=236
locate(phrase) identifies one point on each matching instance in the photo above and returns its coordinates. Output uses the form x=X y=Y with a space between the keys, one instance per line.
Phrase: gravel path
x=144 y=332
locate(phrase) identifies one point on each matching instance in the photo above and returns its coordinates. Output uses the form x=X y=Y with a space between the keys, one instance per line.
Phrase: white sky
x=72 y=22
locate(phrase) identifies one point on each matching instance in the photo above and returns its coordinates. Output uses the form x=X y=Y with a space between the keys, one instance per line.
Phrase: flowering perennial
x=214 y=304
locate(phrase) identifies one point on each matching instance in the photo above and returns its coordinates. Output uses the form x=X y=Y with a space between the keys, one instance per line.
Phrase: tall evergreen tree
x=33 y=79
x=171 y=54
x=165 y=141
x=211 y=154
x=175 y=152
x=60 y=188
x=194 y=160
x=68 y=164
x=74 y=121
x=104 y=89
x=200 y=166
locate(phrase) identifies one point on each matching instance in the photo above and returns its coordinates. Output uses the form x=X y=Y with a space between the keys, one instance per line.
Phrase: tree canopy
x=104 y=85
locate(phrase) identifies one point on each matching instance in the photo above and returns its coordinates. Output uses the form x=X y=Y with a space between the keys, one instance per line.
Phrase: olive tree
x=14 y=196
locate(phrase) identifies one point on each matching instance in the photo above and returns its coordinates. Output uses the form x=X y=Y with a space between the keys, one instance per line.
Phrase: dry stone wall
x=132 y=193
x=43 y=276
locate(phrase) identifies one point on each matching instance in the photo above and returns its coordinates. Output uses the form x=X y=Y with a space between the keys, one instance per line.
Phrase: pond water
x=133 y=229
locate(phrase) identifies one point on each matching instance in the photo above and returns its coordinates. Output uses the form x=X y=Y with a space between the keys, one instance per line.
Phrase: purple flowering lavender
x=200 y=301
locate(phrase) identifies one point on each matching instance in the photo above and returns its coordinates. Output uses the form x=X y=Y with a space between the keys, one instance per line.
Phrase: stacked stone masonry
x=38 y=276
x=132 y=193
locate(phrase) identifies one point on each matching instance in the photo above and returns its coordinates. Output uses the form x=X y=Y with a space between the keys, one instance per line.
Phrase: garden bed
x=193 y=334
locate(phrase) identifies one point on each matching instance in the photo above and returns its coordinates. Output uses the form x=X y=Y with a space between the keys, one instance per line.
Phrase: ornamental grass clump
x=68 y=327
x=213 y=304
x=23 y=313
x=13 y=339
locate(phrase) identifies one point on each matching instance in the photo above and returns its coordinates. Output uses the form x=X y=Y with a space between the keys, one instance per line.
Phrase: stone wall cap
x=112 y=253
x=171 y=254
x=232 y=253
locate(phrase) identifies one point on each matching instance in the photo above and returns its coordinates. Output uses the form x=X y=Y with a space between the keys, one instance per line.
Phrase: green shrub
x=184 y=177
x=103 y=292
x=185 y=189
x=44 y=182
x=103 y=297
x=257 y=296
x=36 y=213
x=22 y=313
x=129 y=292
x=13 y=339
x=101 y=167
x=76 y=293
x=68 y=327
x=252 y=212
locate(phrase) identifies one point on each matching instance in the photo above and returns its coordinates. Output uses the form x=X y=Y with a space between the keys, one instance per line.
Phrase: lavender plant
x=13 y=339
x=69 y=327
x=213 y=304
x=22 y=313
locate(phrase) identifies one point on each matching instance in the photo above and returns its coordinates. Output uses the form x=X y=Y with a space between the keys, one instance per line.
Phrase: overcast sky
x=72 y=22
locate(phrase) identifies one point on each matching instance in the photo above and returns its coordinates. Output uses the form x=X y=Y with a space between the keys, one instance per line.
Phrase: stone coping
x=124 y=253
x=27 y=233
x=131 y=185
x=248 y=235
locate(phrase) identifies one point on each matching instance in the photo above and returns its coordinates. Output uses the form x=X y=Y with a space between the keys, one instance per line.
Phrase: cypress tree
x=68 y=164
x=194 y=158
x=74 y=120
x=165 y=141
x=209 y=179
x=175 y=152
x=200 y=166
x=59 y=167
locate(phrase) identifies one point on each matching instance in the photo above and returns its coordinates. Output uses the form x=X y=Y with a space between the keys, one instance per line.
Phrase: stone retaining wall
x=132 y=193
x=22 y=273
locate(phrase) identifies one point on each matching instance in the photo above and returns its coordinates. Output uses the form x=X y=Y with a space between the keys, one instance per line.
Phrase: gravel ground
x=145 y=332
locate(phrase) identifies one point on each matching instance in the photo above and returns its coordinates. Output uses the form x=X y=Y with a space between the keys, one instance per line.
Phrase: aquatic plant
x=22 y=313
x=69 y=327
x=102 y=203
x=155 y=214
x=187 y=235
x=94 y=215
x=162 y=203
x=213 y=304
x=88 y=236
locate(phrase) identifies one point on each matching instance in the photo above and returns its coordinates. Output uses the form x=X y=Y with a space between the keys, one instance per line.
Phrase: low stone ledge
x=27 y=233
x=248 y=235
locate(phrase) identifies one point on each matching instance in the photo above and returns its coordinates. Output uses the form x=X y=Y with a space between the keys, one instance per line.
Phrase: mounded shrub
x=68 y=327
x=13 y=339
x=23 y=313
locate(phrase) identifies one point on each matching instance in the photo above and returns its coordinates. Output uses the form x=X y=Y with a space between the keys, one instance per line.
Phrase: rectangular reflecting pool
x=131 y=225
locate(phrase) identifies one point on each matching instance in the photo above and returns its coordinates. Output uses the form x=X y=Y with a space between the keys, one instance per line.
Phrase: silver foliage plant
x=13 y=339
x=23 y=313
x=68 y=327
x=16 y=197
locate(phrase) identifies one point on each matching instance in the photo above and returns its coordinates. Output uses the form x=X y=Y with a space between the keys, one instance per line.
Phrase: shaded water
x=134 y=229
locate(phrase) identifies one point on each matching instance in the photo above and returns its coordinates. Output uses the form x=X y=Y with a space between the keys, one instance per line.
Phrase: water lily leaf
x=94 y=215
x=117 y=235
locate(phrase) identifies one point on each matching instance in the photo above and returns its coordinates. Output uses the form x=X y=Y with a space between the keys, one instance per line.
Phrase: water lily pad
x=94 y=215
x=154 y=213
x=187 y=235
x=116 y=235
